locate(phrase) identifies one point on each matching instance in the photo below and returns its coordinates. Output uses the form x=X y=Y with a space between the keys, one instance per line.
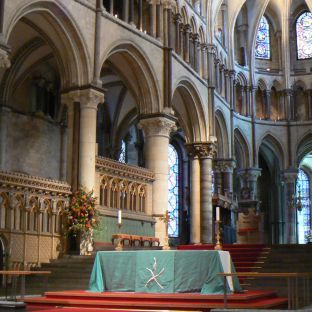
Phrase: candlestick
x=218 y=245
x=218 y=213
x=119 y=246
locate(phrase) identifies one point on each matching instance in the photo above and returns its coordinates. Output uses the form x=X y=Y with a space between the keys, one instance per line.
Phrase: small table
x=162 y=271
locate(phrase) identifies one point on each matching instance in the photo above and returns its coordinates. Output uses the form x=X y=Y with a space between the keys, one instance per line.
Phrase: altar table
x=163 y=271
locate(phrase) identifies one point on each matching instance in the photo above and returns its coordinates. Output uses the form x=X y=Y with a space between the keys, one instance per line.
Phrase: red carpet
x=132 y=301
x=246 y=257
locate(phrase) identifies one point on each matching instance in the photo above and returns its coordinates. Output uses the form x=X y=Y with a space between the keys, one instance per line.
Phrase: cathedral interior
x=161 y=105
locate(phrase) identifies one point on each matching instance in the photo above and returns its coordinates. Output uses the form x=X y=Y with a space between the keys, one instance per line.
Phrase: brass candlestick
x=166 y=219
x=119 y=246
x=218 y=245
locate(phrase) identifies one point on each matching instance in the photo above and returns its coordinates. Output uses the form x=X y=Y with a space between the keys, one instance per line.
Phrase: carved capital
x=4 y=59
x=168 y=4
x=187 y=28
x=212 y=49
x=288 y=92
x=226 y=165
x=157 y=126
x=289 y=176
x=177 y=18
x=202 y=150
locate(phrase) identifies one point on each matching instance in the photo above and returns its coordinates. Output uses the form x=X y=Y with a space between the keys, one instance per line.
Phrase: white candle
x=119 y=216
x=218 y=213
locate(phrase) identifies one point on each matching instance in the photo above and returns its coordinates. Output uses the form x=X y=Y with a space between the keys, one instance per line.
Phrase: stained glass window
x=173 y=192
x=122 y=155
x=263 y=49
x=303 y=216
x=304 y=36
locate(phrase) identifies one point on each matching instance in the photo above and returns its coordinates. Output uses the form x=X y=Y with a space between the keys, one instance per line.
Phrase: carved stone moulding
x=109 y=166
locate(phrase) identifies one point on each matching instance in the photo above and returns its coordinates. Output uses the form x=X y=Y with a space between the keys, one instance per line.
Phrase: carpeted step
x=144 y=300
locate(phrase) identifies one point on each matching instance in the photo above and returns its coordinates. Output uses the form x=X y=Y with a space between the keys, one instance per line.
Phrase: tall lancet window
x=173 y=192
x=263 y=48
x=303 y=216
x=304 y=36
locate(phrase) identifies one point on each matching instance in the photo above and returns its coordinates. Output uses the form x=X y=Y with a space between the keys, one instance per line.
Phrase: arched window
x=304 y=36
x=263 y=48
x=173 y=190
x=122 y=155
x=303 y=216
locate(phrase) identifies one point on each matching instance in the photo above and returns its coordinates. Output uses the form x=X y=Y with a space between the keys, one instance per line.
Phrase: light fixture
x=268 y=69
x=296 y=201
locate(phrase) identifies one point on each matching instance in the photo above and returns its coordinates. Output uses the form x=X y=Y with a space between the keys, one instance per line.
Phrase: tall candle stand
x=218 y=245
x=119 y=246
x=166 y=219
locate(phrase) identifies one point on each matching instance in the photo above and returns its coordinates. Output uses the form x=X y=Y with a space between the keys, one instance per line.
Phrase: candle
x=119 y=216
x=218 y=213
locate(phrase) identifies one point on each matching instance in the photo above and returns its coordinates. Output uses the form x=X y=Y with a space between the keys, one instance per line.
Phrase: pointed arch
x=67 y=41
x=272 y=144
x=222 y=135
x=188 y=106
x=138 y=74
x=242 y=149
x=304 y=147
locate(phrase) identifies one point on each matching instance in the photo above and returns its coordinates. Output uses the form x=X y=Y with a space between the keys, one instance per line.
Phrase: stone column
x=226 y=85
x=177 y=23
x=228 y=166
x=195 y=196
x=111 y=7
x=252 y=100
x=125 y=11
x=267 y=104
x=211 y=56
x=206 y=152
x=204 y=65
x=246 y=101
x=157 y=131
x=89 y=100
x=140 y=14
x=289 y=177
x=289 y=108
x=196 y=52
x=152 y=13
x=309 y=92
x=187 y=31
x=131 y=12
x=182 y=40
x=221 y=77
x=217 y=73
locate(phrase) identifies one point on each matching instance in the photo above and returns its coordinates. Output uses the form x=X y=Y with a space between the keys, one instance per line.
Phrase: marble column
x=217 y=74
x=221 y=77
x=211 y=68
x=226 y=85
x=194 y=196
x=206 y=152
x=289 y=177
x=152 y=18
x=157 y=131
x=89 y=100
x=267 y=104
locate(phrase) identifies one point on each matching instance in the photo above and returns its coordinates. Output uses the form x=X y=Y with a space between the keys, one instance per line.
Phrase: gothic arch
x=270 y=142
x=304 y=147
x=67 y=44
x=222 y=135
x=242 y=150
x=188 y=106
x=134 y=67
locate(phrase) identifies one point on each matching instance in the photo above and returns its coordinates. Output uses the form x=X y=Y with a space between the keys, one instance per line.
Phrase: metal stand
x=218 y=245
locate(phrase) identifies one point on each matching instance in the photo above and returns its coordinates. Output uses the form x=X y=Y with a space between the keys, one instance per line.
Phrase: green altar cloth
x=162 y=271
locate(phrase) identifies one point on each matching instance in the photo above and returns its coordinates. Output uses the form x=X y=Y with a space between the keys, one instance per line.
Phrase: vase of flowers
x=81 y=218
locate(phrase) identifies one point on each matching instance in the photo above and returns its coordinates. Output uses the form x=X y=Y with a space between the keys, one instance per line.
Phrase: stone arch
x=68 y=45
x=242 y=150
x=273 y=144
x=188 y=107
x=262 y=85
x=304 y=147
x=185 y=18
x=137 y=74
x=193 y=25
x=222 y=135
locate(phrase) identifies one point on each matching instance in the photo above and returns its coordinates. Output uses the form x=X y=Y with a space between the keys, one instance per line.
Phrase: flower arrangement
x=81 y=213
x=308 y=237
